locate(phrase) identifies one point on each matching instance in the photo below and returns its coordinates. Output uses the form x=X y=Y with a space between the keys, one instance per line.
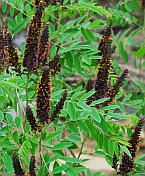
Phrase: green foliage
x=74 y=30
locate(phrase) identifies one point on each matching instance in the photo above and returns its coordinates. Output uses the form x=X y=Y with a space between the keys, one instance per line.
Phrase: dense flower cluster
x=127 y=162
x=8 y=51
x=89 y=85
x=31 y=119
x=43 y=96
x=1 y=49
x=59 y=106
x=102 y=88
x=52 y=1
x=17 y=166
x=101 y=83
x=13 y=55
x=30 y=59
x=44 y=47
x=115 y=162
x=32 y=166
x=143 y=4
x=105 y=44
x=113 y=91
x=54 y=65
x=18 y=169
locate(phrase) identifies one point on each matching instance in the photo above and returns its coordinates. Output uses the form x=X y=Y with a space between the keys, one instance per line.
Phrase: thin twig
x=81 y=150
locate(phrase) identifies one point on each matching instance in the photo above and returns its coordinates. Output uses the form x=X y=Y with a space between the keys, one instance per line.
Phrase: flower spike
x=54 y=65
x=59 y=106
x=31 y=119
x=127 y=162
x=44 y=47
x=32 y=166
x=1 y=49
x=43 y=96
x=17 y=166
x=8 y=51
x=113 y=91
x=30 y=59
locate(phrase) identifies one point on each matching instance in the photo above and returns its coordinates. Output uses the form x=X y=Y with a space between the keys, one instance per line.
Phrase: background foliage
x=76 y=29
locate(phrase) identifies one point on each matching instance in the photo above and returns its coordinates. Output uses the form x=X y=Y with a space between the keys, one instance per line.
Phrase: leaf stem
x=81 y=150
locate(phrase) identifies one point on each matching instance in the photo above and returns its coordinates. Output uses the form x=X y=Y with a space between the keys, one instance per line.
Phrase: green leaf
x=12 y=24
x=4 y=7
x=8 y=84
x=71 y=110
x=18 y=121
x=52 y=31
x=12 y=10
x=16 y=137
x=139 y=157
x=92 y=129
x=69 y=59
x=28 y=9
x=82 y=126
x=110 y=107
x=99 y=101
x=7 y=162
x=60 y=169
x=88 y=35
x=96 y=115
x=100 y=11
x=52 y=135
x=53 y=50
x=77 y=64
x=8 y=117
x=72 y=172
x=62 y=145
x=140 y=52
x=1 y=116
x=73 y=138
x=125 y=149
x=72 y=127
x=87 y=95
x=70 y=159
x=118 y=115
x=19 y=18
x=123 y=51
x=84 y=106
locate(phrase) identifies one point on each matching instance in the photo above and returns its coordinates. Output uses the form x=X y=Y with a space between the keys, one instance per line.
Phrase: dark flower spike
x=101 y=84
x=4 y=60
x=89 y=85
x=30 y=59
x=13 y=53
x=113 y=91
x=54 y=65
x=143 y=4
x=53 y=2
x=127 y=162
x=105 y=44
x=37 y=3
x=43 y=96
x=135 y=138
x=115 y=162
x=32 y=166
x=31 y=119
x=17 y=166
x=11 y=58
x=1 y=49
x=59 y=106
x=44 y=47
